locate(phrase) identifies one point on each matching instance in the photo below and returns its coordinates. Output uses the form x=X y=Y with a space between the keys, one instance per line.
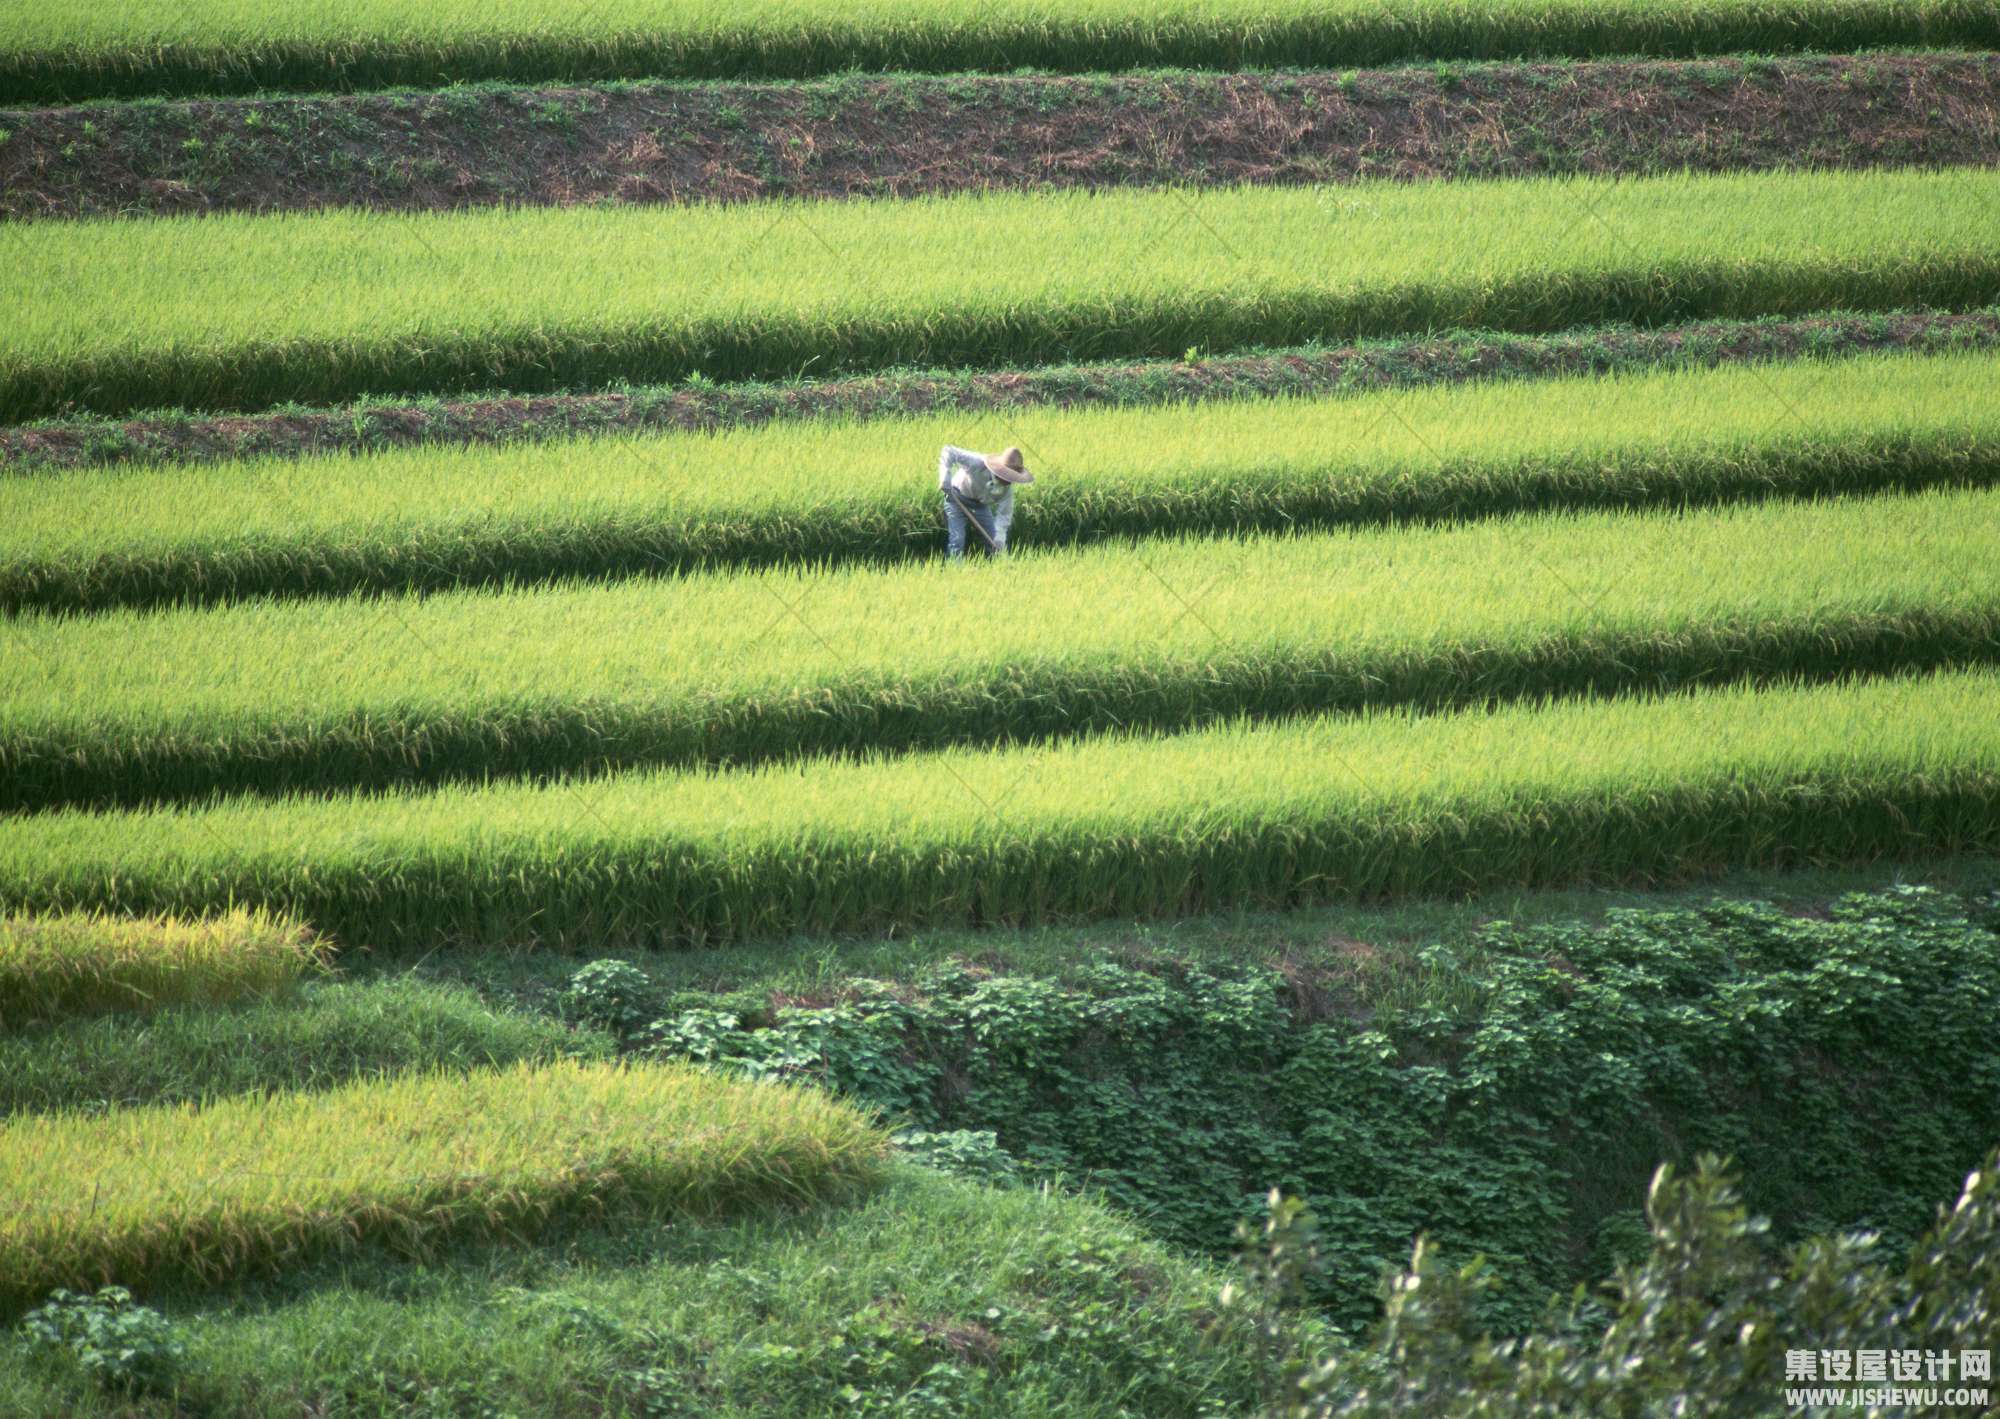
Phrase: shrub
x=1703 y=1325
x=964 y=1152
x=116 y=1342
x=613 y=995
x=1516 y=1111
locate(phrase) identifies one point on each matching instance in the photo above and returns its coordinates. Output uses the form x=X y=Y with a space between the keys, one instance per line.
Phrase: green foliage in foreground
x=237 y=311
x=1848 y=1064
x=1703 y=1324
x=931 y=1296
x=135 y=707
x=190 y=1195
x=84 y=963
x=1235 y=816
x=328 y=1034
x=939 y=1296
x=227 y=46
x=440 y=517
x=121 y=1345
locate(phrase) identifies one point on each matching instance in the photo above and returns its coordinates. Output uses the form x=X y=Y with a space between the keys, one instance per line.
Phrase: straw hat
x=1008 y=467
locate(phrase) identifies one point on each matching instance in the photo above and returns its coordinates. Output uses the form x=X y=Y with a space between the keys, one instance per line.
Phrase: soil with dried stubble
x=910 y=135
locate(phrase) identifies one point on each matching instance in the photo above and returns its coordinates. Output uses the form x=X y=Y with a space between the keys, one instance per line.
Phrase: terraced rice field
x=431 y=518
x=78 y=964
x=234 y=311
x=131 y=48
x=738 y=667
x=243 y=1185
x=1361 y=806
x=394 y=560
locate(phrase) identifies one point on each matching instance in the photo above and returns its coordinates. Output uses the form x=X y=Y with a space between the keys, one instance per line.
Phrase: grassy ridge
x=174 y=436
x=958 y=1298
x=331 y=1032
x=206 y=1193
x=127 y=47
x=1347 y=807
x=84 y=964
x=238 y=311
x=432 y=518
x=134 y=706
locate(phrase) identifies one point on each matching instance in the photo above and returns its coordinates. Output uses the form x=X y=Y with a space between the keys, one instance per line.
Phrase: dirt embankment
x=359 y=428
x=909 y=135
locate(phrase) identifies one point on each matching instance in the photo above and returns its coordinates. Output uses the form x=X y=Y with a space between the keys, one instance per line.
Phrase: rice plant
x=427 y=518
x=128 y=47
x=740 y=666
x=190 y=1194
x=87 y=963
x=1637 y=790
x=238 y=311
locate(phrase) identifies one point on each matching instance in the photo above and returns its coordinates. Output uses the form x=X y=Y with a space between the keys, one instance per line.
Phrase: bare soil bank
x=910 y=135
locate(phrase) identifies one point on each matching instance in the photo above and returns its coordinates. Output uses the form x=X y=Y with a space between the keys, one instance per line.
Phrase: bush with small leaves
x=121 y=1344
x=965 y=1152
x=613 y=995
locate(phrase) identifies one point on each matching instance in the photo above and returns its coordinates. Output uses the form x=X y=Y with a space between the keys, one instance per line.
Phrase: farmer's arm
x=1003 y=518
x=951 y=460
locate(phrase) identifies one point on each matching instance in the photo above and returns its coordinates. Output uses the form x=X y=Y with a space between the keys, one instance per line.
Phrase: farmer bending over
x=979 y=492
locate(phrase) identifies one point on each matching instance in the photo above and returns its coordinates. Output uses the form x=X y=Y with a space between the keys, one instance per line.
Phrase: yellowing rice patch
x=186 y=1194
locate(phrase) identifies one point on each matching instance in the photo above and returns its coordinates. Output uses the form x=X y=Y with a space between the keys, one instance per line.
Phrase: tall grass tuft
x=193 y=1194
x=85 y=963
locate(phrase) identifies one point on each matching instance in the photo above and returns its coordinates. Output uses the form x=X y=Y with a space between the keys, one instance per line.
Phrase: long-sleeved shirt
x=966 y=473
